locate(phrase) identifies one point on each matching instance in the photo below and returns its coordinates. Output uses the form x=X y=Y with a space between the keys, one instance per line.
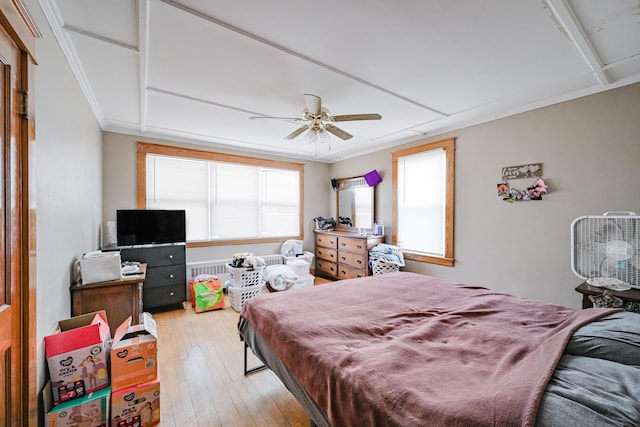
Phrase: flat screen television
x=149 y=226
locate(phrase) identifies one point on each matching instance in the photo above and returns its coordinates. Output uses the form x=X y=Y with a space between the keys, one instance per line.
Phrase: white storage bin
x=244 y=276
x=238 y=295
x=304 y=281
x=307 y=256
x=299 y=266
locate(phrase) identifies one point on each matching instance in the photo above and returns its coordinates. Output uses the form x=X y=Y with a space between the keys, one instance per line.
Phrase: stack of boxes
x=77 y=356
x=82 y=358
x=135 y=384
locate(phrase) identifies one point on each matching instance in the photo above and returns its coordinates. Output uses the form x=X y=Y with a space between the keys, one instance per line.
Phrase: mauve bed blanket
x=404 y=349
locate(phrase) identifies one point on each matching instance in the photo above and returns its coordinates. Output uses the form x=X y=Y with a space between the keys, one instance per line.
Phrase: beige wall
x=590 y=151
x=589 y=148
x=68 y=180
x=119 y=192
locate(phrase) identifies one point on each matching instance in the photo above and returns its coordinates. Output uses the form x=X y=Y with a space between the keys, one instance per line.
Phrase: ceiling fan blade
x=338 y=132
x=273 y=117
x=297 y=132
x=284 y=119
x=313 y=104
x=350 y=117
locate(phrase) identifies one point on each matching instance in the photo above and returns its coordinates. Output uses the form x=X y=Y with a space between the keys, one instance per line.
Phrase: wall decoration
x=522 y=171
x=533 y=192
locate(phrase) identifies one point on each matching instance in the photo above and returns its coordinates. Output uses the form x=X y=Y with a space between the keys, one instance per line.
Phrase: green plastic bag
x=208 y=295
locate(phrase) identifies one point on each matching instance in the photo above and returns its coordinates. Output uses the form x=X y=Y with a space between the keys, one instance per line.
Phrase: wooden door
x=18 y=401
x=9 y=299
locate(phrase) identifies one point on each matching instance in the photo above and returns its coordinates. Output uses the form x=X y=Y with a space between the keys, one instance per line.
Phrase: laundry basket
x=380 y=266
x=244 y=276
x=238 y=295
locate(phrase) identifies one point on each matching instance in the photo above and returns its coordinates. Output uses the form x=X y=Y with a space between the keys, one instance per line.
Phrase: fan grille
x=606 y=246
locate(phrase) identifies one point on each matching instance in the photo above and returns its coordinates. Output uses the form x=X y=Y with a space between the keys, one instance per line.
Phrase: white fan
x=319 y=122
x=607 y=246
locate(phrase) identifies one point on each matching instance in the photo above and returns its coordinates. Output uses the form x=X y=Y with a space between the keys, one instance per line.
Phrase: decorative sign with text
x=535 y=191
x=532 y=170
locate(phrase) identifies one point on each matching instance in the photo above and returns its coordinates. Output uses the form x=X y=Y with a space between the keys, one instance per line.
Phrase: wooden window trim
x=144 y=148
x=449 y=148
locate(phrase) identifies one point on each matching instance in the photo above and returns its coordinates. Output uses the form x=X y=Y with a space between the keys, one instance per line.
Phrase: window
x=423 y=202
x=228 y=199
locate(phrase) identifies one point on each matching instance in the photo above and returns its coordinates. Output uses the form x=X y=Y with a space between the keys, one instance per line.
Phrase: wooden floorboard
x=200 y=359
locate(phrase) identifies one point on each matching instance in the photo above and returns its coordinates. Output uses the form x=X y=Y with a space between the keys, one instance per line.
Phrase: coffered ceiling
x=196 y=71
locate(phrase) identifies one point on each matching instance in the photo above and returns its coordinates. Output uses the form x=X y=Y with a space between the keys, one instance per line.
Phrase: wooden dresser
x=120 y=298
x=343 y=255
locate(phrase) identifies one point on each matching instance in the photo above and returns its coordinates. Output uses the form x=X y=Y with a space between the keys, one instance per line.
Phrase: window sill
x=415 y=256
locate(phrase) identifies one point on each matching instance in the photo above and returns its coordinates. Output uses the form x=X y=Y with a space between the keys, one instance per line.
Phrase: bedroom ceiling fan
x=318 y=121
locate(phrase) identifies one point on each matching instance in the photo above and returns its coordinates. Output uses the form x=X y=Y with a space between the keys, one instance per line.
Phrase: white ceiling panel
x=196 y=71
x=112 y=73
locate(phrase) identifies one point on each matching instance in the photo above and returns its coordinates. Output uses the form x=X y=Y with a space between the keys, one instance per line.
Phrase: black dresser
x=165 y=283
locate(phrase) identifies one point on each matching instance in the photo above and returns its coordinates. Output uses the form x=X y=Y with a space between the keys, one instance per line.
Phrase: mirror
x=355 y=204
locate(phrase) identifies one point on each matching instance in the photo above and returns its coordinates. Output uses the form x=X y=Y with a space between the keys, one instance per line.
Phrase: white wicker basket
x=237 y=296
x=244 y=276
x=380 y=266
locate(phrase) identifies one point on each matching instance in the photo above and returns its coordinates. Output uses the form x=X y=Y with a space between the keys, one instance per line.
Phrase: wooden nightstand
x=119 y=298
x=632 y=295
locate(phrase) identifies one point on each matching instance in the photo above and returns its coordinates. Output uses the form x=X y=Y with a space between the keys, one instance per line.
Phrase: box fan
x=605 y=249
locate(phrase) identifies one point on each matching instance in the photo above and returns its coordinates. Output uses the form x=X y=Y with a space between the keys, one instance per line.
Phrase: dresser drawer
x=352 y=259
x=163 y=295
x=350 y=244
x=168 y=275
x=155 y=256
x=347 y=272
x=326 y=267
x=326 y=254
x=326 y=241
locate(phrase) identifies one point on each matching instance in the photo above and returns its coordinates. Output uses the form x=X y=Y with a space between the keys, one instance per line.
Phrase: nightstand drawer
x=326 y=267
x=358 y=246
x=326 y=241
x=155 y=256
x=163 y=295
x=163 y=276
x=352 y=259
x=346 y=272
x=326 y=254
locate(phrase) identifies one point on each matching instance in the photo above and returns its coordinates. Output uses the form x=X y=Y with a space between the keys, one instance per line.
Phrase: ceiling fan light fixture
x=324 y=136
x=311 y=136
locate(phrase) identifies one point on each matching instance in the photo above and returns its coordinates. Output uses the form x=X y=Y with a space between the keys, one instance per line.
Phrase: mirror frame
x=348 y=184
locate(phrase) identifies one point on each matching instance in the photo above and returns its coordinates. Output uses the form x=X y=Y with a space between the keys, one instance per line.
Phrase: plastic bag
x=208 y=295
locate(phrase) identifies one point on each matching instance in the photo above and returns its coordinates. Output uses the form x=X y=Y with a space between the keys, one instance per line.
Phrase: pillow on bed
x=279 y=277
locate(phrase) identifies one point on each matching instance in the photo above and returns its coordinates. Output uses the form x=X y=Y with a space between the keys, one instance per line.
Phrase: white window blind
x=225 y=201
x=421 y=202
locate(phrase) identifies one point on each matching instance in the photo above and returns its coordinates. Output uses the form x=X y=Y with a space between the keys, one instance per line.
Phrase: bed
x=404 y=349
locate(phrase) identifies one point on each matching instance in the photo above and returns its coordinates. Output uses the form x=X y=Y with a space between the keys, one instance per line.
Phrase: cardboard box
x=77 y=356
x=100 y=267
x=136 y=406
x=134 y=353
x=90 y=410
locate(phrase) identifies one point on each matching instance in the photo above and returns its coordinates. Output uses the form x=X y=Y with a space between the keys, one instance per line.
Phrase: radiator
x=217 y=268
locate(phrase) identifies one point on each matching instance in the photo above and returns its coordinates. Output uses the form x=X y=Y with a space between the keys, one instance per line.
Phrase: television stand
x=165 y=283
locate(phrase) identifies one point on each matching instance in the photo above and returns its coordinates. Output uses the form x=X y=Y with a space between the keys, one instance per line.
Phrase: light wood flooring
x=200 y=359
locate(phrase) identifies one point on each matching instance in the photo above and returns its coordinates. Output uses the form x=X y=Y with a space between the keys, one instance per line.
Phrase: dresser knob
x=170 y=256
x=171 y=276
x=171 y=293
